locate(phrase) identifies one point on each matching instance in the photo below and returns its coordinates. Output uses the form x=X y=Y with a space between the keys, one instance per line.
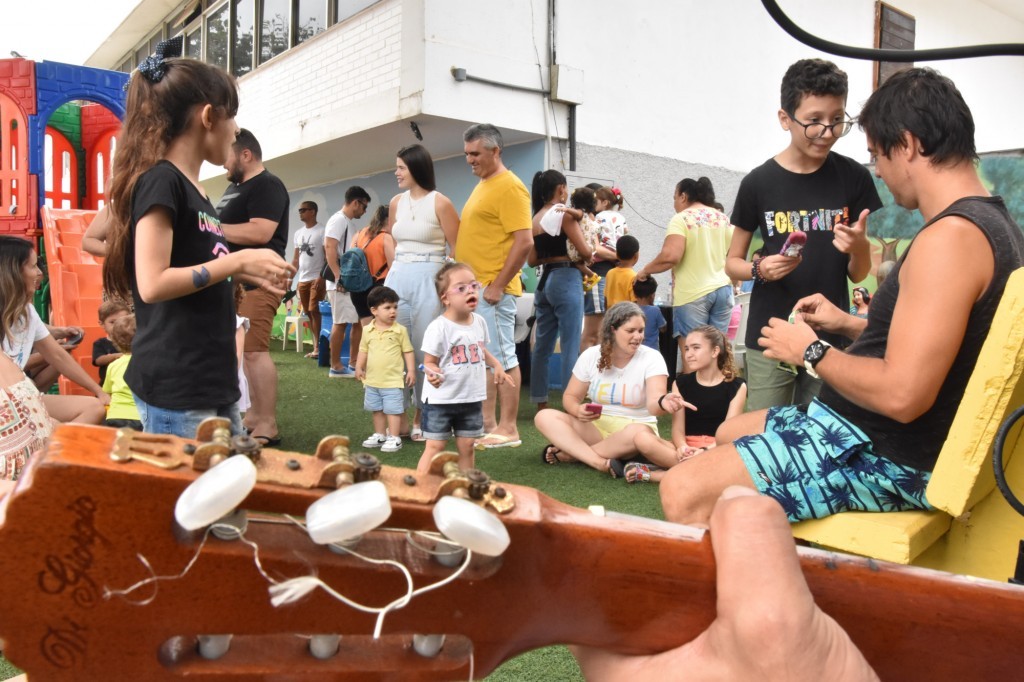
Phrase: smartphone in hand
x=594 y=408
x=794 y=244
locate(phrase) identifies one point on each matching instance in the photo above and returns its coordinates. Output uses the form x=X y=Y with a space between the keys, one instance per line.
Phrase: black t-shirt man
x=183 y=354
x=776 y=201
x=261 y=196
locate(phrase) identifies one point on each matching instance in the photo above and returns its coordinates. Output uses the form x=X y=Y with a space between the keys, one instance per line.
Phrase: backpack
x=354 y=273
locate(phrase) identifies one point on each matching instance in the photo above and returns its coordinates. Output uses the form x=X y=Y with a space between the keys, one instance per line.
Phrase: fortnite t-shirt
x=776 y=202
x=183 y=354
x=261 y=196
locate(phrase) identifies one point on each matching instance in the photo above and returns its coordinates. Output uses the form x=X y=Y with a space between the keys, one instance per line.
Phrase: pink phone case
x=594 y=408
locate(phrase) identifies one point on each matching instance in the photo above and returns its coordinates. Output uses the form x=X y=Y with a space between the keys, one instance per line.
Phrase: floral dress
x=24 y=427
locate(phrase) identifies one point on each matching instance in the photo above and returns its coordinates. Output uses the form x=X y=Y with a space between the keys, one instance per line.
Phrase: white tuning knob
x=348 y=513
x=215 y=493
x=471 y=526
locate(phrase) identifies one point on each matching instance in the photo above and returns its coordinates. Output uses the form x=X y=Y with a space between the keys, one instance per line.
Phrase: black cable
x=997 y=460
x=874 y=54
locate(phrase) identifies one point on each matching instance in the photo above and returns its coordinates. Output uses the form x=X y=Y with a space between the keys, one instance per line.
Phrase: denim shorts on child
x=465 y=419
x=815 y=463
x=386 y=400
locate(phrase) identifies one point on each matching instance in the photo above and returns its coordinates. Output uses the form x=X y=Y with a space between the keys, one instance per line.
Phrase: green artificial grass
x=311 y=406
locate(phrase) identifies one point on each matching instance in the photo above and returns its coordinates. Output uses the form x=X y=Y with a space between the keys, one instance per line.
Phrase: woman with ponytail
x=695 y=247
x=166 y=249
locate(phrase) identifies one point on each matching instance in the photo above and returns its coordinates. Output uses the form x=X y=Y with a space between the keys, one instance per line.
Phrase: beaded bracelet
x=755 y=271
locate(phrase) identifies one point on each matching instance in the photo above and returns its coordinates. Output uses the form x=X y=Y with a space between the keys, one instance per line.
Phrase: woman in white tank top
x=422 y=221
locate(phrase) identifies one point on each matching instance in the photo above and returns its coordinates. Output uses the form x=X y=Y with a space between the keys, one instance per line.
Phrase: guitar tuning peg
x=348 y=513
x=214 y=494
x=471 y=526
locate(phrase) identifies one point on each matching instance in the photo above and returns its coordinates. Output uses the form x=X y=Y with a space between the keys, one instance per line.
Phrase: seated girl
x=716 y=394
x=617 y=384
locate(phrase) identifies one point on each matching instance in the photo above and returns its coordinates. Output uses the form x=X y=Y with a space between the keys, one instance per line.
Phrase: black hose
x=997 y=459
x=874 y=54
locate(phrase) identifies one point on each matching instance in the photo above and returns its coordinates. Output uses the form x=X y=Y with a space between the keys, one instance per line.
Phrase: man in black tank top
x=870 y=441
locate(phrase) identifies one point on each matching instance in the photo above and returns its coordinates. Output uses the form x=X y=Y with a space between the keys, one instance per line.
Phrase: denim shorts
x=815 y=463
x=386 y=400
x=501 y=326
x=466 y=420
x=593 y=300
x=714 y=308
x=184 y=422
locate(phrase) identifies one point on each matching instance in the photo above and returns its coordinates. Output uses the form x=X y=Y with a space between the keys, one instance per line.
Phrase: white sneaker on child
x=375 y=441
x=392 y=444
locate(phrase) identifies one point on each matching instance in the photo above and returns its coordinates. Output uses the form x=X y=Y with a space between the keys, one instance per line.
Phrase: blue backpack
x=354 y=272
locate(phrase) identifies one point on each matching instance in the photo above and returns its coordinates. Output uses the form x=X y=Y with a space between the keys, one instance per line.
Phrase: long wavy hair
x=155 y=115
x=14 y=253
x=726 y=360
x=615 y=317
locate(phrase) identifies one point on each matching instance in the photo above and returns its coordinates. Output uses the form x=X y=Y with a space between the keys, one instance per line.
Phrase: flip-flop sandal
x=267 y=441
x=616 y=468
x=416 y=434
x=503 y=442
x=637 y=472
x=549 y=454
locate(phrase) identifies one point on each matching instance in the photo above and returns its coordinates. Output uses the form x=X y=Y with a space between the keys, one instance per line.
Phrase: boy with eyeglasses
x=807 y=188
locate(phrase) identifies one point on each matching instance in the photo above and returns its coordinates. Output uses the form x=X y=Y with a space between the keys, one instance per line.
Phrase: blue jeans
x=184 y=422
x=501 y=328
x=559 y=316
x=418 y=305
x=714 y=309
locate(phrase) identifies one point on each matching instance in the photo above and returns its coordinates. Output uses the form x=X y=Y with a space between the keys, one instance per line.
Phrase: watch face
x=814 y=352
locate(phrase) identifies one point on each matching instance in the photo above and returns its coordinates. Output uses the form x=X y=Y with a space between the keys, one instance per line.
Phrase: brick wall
x=348 y=64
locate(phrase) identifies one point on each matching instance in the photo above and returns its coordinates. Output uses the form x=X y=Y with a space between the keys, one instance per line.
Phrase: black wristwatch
x=813 y=355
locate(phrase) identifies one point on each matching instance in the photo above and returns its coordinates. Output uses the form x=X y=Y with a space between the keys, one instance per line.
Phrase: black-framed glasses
x=815 y=131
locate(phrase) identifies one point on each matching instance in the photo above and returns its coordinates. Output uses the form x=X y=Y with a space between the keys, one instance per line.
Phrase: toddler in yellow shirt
x=618 y=285
x=385 y=354
x=122 y=412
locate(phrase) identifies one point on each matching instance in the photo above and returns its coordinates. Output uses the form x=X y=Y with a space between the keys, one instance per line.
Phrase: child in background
x=712 y=387
x=643 y=292
x=582 y=210
x=455 y=360
x=122 y=412
x=104 y=351
x=619 y=285
x=385 y=351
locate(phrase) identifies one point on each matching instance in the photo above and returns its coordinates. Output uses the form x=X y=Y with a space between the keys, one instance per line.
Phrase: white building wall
x=343 y=81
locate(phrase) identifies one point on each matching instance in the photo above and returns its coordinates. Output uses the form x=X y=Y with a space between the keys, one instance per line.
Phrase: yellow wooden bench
x=973 y=530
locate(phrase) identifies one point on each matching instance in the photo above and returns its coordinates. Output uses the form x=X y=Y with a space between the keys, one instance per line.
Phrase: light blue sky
x=59 y=30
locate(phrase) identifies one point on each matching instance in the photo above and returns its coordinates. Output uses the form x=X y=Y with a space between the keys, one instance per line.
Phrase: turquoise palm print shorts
x=815 y=464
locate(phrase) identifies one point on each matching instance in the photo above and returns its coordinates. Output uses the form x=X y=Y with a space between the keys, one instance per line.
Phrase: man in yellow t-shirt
x=494 y=239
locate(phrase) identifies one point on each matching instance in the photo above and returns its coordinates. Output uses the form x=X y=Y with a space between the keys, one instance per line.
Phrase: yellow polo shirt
x=498 y=207
x=385 y=349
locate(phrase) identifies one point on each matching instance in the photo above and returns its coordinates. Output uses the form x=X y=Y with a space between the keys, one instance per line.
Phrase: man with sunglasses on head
x=805 y=188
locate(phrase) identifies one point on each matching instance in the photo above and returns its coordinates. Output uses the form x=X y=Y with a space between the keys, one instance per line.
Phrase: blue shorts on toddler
x=465 y=420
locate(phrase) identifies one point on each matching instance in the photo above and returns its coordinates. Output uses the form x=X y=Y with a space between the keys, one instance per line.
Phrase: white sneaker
x=375 y=441
x=392 y=444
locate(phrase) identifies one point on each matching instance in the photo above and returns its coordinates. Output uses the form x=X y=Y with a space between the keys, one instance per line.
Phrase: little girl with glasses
x=455 y=358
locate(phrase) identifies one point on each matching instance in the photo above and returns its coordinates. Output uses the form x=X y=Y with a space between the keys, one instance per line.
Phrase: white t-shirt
x=341 y=228
x=310 y=243
x=460 y=352
x=18 y=345
x=623 y=392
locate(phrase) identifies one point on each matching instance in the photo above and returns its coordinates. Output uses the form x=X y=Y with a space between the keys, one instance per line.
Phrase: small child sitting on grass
x=104 y=351
x=455 y=359
x=385 y=351
x=643 y=291
x=122 y=412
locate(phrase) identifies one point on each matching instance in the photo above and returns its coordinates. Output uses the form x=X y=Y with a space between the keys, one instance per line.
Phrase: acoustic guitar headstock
x=93 y=521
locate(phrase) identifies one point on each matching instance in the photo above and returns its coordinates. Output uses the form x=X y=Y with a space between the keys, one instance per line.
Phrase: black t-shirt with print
x=183 y=354
x=262 y=196
x=776 y=201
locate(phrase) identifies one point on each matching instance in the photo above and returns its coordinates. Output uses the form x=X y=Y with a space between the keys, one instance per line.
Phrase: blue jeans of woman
x=184 y=422
x=418 y=305
x=559 y=309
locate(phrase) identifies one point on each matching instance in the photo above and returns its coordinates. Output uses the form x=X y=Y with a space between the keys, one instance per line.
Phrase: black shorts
x=359 y=300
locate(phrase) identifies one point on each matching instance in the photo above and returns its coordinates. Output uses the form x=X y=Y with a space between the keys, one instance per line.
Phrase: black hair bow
x=154 y=67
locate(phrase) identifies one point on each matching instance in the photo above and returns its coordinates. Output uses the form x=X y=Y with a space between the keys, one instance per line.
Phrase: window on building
x=343 y=9
x=244 y=37
x=274 y=32
x=194 y=42
x=310 y=19
x=894 y=30
x=217 y=37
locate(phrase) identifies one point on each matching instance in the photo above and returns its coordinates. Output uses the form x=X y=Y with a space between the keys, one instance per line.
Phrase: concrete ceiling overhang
x=367 y=152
